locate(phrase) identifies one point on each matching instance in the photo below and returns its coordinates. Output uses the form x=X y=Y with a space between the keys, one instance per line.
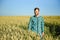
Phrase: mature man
x=36 y=23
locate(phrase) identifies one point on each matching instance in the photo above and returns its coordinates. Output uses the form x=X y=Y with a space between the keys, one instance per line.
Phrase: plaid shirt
x=36 y=24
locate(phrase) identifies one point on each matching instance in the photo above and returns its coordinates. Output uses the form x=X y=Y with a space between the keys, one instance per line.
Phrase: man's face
x=36 y=12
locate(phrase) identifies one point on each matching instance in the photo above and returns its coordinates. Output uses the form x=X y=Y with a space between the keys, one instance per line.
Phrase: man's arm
x=29 y=26
x=42 y=24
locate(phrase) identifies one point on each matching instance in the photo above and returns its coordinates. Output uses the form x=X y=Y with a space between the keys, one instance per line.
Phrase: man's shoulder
x=41 y=16
x=32 y=17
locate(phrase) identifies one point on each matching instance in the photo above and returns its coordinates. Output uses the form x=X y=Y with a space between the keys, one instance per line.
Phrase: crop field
x=16 y=28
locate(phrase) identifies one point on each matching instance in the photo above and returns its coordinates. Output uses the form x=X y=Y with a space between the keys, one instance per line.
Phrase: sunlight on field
x=16 y=28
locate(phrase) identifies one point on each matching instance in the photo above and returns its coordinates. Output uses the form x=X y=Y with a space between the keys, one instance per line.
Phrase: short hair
x=36 y=8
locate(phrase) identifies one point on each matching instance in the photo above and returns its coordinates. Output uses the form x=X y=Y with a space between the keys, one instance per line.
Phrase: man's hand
x=43 y=34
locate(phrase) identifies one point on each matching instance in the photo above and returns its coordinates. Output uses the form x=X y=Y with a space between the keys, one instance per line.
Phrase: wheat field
x=16 y=28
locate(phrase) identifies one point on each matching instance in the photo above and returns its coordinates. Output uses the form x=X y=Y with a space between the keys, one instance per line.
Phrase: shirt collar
x=36 y=16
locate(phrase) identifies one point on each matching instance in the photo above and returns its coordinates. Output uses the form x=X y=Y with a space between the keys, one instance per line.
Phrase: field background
x=16 y=28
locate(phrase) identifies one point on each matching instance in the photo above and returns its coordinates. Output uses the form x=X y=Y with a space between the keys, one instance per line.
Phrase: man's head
x=36 y=11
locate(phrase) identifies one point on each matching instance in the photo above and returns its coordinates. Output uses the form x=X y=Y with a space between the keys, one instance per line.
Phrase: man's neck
x=37 y=15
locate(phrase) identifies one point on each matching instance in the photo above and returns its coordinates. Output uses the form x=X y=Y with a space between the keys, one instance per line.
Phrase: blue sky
x=26 y=7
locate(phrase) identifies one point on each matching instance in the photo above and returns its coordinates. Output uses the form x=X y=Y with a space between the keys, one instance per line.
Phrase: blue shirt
x=36 y=24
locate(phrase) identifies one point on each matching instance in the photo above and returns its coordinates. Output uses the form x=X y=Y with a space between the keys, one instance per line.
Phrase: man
x=36 y=23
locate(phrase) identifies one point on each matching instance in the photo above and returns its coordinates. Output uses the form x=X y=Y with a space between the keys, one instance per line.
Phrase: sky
x=26 y=7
